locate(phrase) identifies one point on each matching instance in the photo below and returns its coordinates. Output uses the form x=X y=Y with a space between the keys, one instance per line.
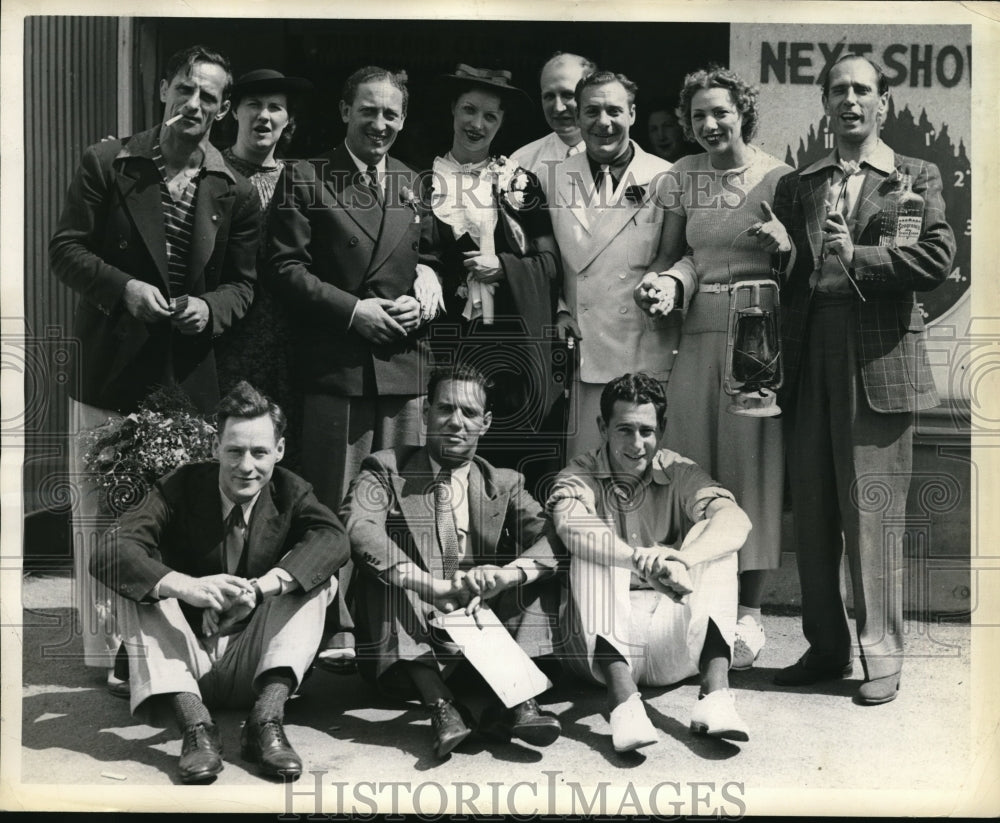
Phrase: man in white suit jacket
x=608 y=230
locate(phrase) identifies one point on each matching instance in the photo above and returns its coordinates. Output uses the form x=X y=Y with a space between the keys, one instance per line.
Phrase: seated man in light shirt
x=224 y=574
x=436 y=528
x=643 y=613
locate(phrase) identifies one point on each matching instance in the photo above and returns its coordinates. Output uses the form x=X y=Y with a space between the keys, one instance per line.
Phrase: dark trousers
x=393 y=626
x=849 y=469
x=337 y=434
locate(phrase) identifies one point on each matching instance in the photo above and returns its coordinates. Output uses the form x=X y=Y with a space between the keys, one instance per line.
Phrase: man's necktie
x=604 y=182
x=447 y=531
x=235 y=541
x=371 y=180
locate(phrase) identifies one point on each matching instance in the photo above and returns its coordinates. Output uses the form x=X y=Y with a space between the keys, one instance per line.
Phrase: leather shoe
x=879 y=690
x=266 y=745
x=801 y=673
x=448 y=725
x=117 y=687
x=201 y=753
x=531 y=726
x=338 y=661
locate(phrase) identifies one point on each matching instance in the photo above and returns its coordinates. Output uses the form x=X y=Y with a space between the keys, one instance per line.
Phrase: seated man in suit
x=224 y=576
x=437 y=528
x=641 y=611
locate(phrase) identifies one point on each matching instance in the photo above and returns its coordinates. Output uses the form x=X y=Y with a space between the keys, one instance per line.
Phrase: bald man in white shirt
x=558 y=80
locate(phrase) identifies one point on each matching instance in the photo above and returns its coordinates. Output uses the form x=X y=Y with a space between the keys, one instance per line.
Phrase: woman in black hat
x=500 y=272
x=263 y=103
x=257 y=348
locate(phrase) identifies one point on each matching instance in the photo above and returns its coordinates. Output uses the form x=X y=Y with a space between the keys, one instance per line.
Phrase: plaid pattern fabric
x=891 y=352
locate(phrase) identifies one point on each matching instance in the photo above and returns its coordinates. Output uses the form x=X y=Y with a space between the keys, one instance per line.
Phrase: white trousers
x=660 y=640
x=93 y=601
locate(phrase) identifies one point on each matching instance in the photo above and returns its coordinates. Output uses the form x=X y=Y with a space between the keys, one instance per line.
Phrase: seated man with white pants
x=224 y=574
x=642 y=612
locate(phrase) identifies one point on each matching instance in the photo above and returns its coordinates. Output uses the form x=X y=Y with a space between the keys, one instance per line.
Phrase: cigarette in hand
x=173 y=119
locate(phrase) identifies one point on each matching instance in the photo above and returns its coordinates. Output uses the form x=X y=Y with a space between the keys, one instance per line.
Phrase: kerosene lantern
x=753 y=349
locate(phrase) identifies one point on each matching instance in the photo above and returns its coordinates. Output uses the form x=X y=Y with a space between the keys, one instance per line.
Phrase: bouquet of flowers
x=509 y=180
x=126 y=456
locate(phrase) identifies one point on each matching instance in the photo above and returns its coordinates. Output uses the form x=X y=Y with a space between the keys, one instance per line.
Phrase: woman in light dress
x=719 y=230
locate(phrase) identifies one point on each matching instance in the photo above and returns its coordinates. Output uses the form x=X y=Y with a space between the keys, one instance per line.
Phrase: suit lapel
x=261 y=531
x=871 y=201
x=213 y=205
x=207 y=520
x=396 y=219
x=414 y=486
x=486 y=510
x=339 y=175
x=139 y=184
x=609 y=222
x=816 y=188
x=576 y=189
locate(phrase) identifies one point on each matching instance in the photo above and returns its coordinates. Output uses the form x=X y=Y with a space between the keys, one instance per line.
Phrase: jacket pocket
x=643 y=243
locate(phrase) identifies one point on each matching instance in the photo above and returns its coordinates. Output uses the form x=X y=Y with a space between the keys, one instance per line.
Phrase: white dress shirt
x=363 y=167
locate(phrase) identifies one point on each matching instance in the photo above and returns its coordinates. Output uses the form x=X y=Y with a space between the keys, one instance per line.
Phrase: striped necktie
x=447 y=531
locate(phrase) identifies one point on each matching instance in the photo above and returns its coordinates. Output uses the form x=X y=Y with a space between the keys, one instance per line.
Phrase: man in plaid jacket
x=855 y=372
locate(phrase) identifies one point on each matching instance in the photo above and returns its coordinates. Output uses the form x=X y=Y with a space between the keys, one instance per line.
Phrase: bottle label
x=890 y=217
x=908 y=229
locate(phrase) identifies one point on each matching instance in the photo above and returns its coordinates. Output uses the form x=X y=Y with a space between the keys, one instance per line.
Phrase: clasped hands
x=227 y=599
x=664 y=569
x=381 y=320
x=470 y=589
x=658 y=293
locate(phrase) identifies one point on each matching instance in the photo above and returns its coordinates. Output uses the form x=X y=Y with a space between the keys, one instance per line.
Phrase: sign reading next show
x=803 y=62
x=929 y=69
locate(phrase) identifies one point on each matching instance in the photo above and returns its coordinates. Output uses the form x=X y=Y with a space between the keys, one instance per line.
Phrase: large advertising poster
x=73 y=74
x=929 y=69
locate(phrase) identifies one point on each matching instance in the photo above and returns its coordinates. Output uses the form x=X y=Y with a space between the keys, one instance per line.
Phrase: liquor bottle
x=902 y=215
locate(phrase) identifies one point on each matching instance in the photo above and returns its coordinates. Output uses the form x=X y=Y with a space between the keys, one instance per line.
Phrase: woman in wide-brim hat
x=258 y=348
x=501 y=265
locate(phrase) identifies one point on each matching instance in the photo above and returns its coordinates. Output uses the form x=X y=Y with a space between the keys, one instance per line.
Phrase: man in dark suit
x=158 y=237
x=344 y=254
x=344 y=250
x=855 y=372
x=224 y=575
x=437 y=528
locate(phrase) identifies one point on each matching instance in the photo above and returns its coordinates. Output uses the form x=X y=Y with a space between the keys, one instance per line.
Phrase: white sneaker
x=630 y=727
x=715 y=715
x=749 y=641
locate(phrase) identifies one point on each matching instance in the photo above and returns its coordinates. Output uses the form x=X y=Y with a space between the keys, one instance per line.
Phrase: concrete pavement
x=73 y=732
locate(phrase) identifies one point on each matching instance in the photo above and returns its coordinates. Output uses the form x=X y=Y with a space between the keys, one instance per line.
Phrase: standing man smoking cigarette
x=158 y=237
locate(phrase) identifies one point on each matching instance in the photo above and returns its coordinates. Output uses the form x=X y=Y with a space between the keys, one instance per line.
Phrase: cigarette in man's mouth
x=173 y=119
